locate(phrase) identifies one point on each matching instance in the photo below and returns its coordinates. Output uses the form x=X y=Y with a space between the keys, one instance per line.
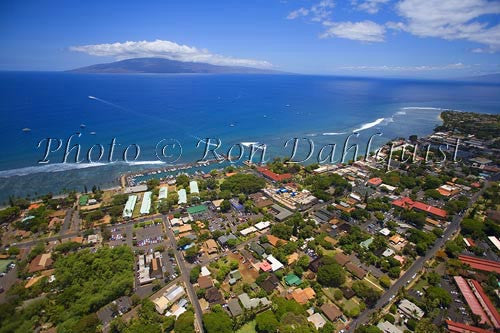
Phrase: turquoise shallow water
x=144 y=109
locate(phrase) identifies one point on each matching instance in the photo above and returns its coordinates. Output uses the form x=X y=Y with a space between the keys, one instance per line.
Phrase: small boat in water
x=92 y=133
x=82 y=125
x=26 y=129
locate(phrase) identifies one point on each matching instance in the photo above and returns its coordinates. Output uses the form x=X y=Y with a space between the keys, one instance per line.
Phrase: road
x=452 y=228
x=185 y=276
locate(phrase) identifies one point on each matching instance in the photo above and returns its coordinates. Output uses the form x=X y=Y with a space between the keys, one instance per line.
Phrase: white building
x=248 y=231
x=275 y=264
x=193 y=187
x=163 y=193
x=129 y=206
x=182 y=196
x=146 y=203
x=262 y=225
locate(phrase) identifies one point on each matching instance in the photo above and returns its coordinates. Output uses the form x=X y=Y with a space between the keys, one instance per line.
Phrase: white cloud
x=165 y=49
x=366 y=31
x=424 y=68
x=298 y=13
x=317 y=13
x=450 y=19
x=369 y=6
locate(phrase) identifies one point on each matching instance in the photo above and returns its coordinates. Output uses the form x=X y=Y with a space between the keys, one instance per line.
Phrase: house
x=317 y=320
x=387 y=327
x=331 y=312
x=292 y=280
x=262 y=225
x=210 y=246
x=341 y=258
x=315 y=265
x=248 y=231
x=374 y=181
x=355 y=270
x=182 y=196
x=270 y=283
x=214 y=296
x=234 y=307
x=275 y=241
x=224 y=238
x=410 y=309
x=161 y=304
x=193 y=187
x=292 y=258
x=256 y=248
x=204 y=271
x=234 y=276
x=40 y=262
x=275 y=264
x=250 y=303
x=347 y=292
x=205 y=282
x=366 y=243
x=302 y=296
x=260 y=200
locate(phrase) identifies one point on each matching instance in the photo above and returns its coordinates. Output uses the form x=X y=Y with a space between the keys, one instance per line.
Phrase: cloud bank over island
x=165 y=49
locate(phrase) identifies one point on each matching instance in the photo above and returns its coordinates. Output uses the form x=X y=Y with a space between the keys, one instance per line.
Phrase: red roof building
x=486 y=303
x=407 y=203
x=471 y=300
x=273 y=176
x=455 y=327
x=375 y=181
x=480 y=264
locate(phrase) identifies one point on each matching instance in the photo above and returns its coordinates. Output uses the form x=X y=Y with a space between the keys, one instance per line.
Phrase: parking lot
x=458 y=309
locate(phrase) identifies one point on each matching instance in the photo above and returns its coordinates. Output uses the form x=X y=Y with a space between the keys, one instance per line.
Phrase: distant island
x=161 y=65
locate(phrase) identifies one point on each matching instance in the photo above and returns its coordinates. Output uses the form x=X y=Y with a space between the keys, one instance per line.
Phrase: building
x=40 y=262
x=193 y=187
x=302 y=296
x=455 y=327
x=374 y=181
x=234 y=276
x=135 y=189
x=262 y=225
x=407 y=203
x=194 y=210
x=480 y=264
x=478 y=302
x=225 y=238
x=292 y=280
x=317 y=320
x=205 y=282
x=331 y=312
x=161 y=304
x=250 y=303
x=275 y=241
x=248 y=231
x=387 y=327
x=256 y=248
x=128 y=210
x=280 y=213
x=410 y=309
x=146 y=203
x=355 y=270
x=163 y=193
x=182 y=196
x=210 y=246
x=234 y=307
x=273 y=176
x=275 y=264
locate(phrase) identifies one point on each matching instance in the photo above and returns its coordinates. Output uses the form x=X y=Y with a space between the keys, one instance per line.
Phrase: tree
x=385 y=281
x=194 y=274
x=331 y=275
x=217 y=321
x=225 y=206
x=266 y=322
x=185 y=323
x=425 y=326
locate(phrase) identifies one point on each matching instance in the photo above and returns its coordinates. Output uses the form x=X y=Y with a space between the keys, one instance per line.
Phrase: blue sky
x=415 y=38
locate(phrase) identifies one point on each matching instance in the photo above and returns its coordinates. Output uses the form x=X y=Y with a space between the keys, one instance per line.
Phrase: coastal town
x=278 y=247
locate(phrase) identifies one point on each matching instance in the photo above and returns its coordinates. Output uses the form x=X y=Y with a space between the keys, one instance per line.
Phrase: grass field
x=248 y=328
x=4 y=264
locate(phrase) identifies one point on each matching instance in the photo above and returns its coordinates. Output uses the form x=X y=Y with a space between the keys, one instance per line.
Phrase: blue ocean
x=143 y=110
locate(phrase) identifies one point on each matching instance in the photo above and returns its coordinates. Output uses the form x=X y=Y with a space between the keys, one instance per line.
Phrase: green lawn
x=248 y=328
x=350 y=304
x=4 y=264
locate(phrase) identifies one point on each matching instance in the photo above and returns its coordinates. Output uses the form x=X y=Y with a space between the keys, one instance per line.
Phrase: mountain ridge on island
x=162 y=65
